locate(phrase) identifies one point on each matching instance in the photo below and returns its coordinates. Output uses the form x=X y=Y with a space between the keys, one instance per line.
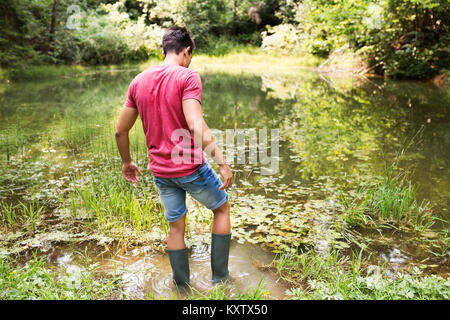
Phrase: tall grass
x=8 y=213
x=391 y=200
x=304 y=266
x=27 y=214
x=110 y=203
x=334 y=277
x=32 y=213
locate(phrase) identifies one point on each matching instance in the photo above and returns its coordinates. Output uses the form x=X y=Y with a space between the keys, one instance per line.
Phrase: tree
x=53 y=22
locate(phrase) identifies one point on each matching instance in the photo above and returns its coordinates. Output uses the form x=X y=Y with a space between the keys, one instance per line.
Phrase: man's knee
x=223 y=209
x=177 y=226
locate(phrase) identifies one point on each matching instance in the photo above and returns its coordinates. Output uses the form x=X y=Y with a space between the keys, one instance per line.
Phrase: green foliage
x=331 y=276
x=94 y=34
x=36 y=281
x=111 y=32
x=111 y=203
x=377 y=287
x=21 y=30
x=281 y=39
x=28 y=214
x=400 y=38
x=390 y=200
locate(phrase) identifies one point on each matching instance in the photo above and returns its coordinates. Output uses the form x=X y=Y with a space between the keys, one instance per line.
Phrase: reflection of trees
x=69 y=111
x=333 y=128
x=235 y=101
x=337 y=127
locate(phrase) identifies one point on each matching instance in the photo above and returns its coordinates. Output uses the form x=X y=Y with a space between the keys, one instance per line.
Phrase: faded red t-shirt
x=158 y=93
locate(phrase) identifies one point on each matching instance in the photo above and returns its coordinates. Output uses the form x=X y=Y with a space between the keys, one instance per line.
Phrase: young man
x=168 y=99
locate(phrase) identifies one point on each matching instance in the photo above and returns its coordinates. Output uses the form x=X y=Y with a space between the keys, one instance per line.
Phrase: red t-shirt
x=158 y=93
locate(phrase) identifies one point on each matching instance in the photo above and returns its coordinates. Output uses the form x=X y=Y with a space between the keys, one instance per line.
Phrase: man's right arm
x=192 y=110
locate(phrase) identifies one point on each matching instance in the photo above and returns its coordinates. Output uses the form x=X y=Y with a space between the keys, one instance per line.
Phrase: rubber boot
x=220 y=250
x=180 y=266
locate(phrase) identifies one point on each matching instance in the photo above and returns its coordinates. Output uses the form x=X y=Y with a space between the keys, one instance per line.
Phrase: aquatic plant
x=391 y=200
x=7 y=213
x=31 y=213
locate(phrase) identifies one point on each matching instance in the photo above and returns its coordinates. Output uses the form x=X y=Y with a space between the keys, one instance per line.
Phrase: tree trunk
x=53 y=22
x=234 y=16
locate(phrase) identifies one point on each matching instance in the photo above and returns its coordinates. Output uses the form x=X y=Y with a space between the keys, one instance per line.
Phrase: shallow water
x=146 y=273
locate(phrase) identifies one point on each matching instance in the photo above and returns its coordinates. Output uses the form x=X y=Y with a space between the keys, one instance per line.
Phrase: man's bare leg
x=221 y=221
x=175 y=240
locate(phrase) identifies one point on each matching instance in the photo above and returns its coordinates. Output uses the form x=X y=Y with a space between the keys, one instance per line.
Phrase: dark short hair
x=176 y=39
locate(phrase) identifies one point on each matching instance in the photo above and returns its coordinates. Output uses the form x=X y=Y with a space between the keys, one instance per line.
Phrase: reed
x=31 y=213
x=390 y=200
x=110 y=203
x=8 y=213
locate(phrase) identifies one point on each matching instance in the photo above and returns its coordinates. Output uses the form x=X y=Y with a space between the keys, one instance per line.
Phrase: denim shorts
x=203 y=185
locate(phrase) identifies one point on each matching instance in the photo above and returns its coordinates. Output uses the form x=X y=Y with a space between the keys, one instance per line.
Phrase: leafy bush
x=104 y=35
x=281 y=39
x=113 y=38
x=400 y=38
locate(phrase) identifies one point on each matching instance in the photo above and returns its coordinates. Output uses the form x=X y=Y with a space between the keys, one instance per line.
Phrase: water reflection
x=148 y=274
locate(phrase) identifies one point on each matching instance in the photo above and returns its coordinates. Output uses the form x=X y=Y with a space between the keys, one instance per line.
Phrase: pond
x=335 y=133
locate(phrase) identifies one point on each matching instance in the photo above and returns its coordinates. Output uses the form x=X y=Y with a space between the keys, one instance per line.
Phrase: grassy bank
x=239 y=58
x=62 y=71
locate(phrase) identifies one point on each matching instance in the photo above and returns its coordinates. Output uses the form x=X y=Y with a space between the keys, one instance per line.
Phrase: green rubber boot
x=180 y=266
x=220 y=251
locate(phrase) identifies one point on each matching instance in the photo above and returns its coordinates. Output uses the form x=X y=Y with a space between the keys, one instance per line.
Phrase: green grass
x=335 y=277
x=222 y=292
x=254 y=60
x=299 y=268
x=376 y=287
x=27 y=214
x=8 y=214
x=110 y=203
x=36 y=281
x=391 y=200
x=57 y=71
x=32 y=213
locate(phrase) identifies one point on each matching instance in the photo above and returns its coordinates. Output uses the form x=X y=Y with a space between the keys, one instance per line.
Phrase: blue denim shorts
x=203 y=185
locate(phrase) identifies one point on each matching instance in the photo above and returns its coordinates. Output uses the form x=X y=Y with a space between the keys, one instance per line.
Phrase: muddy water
x=146 y=274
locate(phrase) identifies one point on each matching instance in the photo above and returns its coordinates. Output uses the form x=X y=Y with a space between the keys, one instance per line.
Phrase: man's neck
x=171 y=60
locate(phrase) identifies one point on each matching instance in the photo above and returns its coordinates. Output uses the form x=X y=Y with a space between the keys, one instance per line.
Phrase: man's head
x=178 y=41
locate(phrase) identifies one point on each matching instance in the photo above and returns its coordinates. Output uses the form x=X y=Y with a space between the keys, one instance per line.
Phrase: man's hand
x=227 y=176
x=129 y=172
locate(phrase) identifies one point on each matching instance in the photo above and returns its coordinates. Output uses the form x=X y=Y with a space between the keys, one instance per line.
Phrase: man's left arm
x=126 y=121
